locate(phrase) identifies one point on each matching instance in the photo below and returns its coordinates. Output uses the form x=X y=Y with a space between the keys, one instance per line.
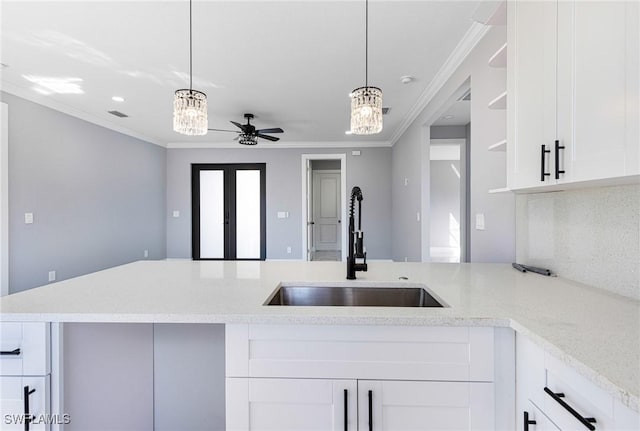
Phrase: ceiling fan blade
x=267 y=137
x=238 y=125
x=273 y=130
x=222 y=130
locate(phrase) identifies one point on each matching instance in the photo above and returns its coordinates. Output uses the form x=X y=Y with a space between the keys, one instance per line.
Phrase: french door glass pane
x=248 y=214
x=212 y=214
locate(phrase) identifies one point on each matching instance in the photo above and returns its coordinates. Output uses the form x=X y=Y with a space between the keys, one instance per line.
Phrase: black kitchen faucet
x=356 y=238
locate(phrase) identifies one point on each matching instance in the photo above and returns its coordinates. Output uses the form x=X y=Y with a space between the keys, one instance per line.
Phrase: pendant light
x=366 y=102
x=190 y=106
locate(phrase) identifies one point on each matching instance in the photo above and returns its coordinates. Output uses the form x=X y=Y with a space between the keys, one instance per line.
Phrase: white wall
x=4 y=199
x=496 y=243
x=371 y=171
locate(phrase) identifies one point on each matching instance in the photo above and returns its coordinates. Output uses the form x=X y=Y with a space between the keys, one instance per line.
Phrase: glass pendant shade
x=366 y=111
x=190 y=112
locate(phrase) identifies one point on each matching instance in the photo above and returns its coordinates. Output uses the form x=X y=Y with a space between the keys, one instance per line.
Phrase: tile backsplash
x=591 y=236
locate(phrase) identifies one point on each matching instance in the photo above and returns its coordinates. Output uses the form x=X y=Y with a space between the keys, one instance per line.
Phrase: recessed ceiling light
x=117 y=99
x=449 y=117
x=49 y=85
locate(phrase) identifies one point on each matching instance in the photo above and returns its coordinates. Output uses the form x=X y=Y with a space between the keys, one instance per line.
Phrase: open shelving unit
x=499 y=102
x=499 y=146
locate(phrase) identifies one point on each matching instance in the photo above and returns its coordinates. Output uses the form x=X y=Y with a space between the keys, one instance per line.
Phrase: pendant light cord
x=366 y=44
x=190 y=50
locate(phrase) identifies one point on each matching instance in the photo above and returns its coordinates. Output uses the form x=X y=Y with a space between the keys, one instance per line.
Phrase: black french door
x=228 y=216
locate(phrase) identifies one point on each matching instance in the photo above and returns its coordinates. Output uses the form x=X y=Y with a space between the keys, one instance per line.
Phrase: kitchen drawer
x=26 y=348
x=13 y=408
x=581 y=395
x=360 y=352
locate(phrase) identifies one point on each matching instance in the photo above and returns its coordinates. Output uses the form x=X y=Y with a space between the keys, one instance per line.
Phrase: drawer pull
x=370 y=410
x=527 y=421
x=27 y=415
x=587 y=422
x=543 y=173
x=15 y=352
x=346 y=410
x=558 y=147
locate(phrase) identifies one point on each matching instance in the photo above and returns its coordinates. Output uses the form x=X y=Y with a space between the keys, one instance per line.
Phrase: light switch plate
x=176 y=213
x=283 y=214
x=479 y=221
x=28 y=218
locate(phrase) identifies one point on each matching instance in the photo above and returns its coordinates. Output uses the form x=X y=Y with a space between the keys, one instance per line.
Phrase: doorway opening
x=228 y=211
x=450 y=138
x=324 y=190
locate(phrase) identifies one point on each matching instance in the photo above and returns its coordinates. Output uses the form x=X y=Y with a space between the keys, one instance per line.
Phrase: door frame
x=230 y=206
x=306 y=161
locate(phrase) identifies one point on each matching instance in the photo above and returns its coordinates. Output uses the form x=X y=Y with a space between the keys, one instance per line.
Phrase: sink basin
x=353 y=296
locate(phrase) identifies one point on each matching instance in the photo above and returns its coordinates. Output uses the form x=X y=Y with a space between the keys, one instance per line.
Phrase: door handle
x=543 y=172
x=15 y=352
x=311 y=222
x=557 y=396
x=370 y=410
x=558 y=147
x=346 y=410
x=527 y=421
x=27 y=414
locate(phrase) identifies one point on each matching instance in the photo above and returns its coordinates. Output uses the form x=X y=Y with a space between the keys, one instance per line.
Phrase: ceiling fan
x=248 y=134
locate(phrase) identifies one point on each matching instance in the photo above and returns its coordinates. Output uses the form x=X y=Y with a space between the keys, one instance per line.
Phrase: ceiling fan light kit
x=366 y=102
x=189 y=105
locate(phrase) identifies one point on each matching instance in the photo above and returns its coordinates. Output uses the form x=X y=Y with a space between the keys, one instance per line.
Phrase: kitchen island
x=594 y=332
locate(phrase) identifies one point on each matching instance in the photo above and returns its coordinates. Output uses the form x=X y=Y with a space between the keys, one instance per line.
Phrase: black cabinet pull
x=543 y=151
x=370 y=410
x=527 y=422
x=15 y=352
x=346 y=410
x=27 y=414
x=587 y=422
x=558 y=147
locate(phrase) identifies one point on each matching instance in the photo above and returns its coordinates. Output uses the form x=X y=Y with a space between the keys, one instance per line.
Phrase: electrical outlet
x=52 y=276
x=288 y=250
x=28 y=218
x=176 y=213
x=146 y=253
x=406 y=181
x=418 y=216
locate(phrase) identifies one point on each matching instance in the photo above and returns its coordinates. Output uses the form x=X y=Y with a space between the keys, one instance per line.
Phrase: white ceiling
x=458 y=114
x=291 y=63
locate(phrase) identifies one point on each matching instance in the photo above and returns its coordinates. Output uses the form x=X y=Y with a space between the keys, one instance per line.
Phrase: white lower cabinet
x=428 y=406
x=291 y=404
x=557 y=397
x=358 y=378
x=534 y=420
x=363 y=405
x=24 y=403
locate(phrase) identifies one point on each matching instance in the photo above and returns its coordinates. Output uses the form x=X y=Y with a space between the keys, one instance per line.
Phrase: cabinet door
x=593 y=87
x=14 y=408
x=532 y=419
x=404 y=406
x=530 y=372
x=531 y=89
x=291 y=404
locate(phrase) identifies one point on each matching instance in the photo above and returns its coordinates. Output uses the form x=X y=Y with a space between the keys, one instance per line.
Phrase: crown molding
x=27 y=94
x=279 y=145
x=459 y=54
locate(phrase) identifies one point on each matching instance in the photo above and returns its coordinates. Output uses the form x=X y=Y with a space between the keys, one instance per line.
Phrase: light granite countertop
x=594 y=331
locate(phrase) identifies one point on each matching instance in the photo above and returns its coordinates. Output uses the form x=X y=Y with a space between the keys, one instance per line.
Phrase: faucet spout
x=356 y=238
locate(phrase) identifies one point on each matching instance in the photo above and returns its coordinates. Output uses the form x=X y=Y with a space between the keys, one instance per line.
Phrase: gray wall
x=98 y=196
x=371 y=171
x=487 y=169
x=591 y=235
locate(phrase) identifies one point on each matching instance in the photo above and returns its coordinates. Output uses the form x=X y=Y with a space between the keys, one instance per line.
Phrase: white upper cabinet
x=573 y=82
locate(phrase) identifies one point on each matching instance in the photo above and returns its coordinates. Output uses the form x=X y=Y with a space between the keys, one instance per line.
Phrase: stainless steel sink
x=353 y=296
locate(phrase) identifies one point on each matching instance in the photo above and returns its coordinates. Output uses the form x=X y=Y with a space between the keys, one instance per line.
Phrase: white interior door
x=326 y=210
x=309 y=196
